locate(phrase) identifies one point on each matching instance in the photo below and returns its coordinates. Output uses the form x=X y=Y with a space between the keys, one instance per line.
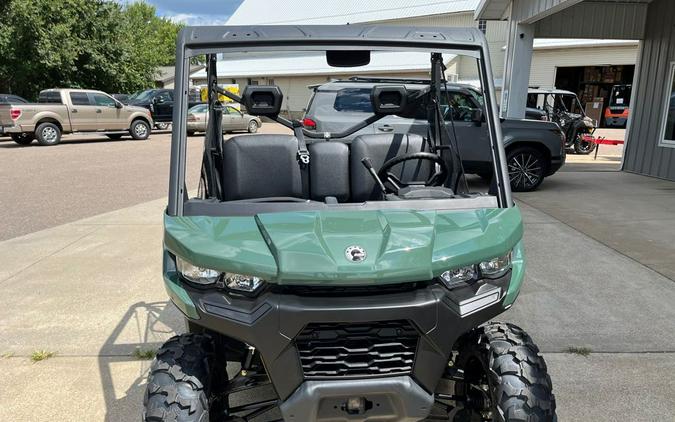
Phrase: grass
x=7 y=355
x=144 y=354
x=39 y=355
x=581 y=351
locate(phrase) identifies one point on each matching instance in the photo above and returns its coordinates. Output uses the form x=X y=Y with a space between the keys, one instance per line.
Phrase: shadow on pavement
x=151 y=323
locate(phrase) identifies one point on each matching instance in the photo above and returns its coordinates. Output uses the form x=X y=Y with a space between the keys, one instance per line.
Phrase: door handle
x=385 y=128
x=73 y=110
x=98 y=110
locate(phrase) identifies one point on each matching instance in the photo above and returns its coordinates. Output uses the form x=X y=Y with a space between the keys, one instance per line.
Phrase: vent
x=357 y=350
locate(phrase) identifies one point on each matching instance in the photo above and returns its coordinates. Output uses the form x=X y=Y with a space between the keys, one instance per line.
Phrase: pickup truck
x=534 y=149
x=160 y=103
x=60 y=111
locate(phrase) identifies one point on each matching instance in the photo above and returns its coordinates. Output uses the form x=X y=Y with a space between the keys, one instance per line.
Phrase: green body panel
x=179 y=296
x=517 y=274
x=309 y=247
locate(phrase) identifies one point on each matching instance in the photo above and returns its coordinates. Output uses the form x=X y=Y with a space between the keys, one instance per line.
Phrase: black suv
x=160 y=103
x=535 y=149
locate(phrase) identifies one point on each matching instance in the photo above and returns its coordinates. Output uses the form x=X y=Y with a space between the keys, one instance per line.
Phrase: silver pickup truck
x=60 y=111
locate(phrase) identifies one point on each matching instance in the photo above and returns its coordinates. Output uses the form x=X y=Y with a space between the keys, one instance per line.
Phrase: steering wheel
x=436 y=179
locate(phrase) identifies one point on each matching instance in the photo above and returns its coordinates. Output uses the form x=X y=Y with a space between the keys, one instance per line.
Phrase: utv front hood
x=309 y=247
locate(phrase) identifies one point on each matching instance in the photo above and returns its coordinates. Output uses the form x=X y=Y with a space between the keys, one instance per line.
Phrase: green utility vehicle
x=329 y=280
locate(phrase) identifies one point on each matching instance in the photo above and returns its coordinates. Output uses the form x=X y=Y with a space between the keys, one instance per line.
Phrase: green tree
x=96 y=44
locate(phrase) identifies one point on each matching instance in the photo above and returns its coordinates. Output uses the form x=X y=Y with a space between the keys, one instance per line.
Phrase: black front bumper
x=272 y=321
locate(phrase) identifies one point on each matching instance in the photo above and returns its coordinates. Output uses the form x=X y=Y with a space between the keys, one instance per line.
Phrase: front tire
x=252 y=126
x=48 y=134
x=526 y=169
x=24 y=138
x=583 y=147
x=180 y=380
x=505 y=377
x=162 y=125
x=139 y=130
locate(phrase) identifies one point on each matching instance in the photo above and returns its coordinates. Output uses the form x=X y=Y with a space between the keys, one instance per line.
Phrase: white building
x=561 y=63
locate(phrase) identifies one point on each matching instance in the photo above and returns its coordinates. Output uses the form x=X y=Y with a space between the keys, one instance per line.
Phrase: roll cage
x=195 y=41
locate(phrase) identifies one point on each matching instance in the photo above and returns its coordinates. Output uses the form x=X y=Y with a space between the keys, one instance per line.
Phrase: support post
x=517 y=70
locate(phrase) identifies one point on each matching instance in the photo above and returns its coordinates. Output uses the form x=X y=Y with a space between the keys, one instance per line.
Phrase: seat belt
x=302 y=157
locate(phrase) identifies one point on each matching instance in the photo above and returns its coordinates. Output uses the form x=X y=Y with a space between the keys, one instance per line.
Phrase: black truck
x=160 y=103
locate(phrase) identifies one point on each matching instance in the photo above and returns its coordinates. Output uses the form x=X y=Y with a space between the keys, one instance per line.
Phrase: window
x=79 y=98
x=462 y=107
x=164 y=96
x=668 y=128
x=102 y=100
x=232 y=110
x=250 y=81
x=353 y=100
x=482 y=26
x=50 y=97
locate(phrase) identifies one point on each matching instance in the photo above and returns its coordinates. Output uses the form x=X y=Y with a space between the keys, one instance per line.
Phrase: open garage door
x=609 y=83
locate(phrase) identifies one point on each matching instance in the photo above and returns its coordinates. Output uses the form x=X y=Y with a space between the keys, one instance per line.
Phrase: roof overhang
x=491 y=9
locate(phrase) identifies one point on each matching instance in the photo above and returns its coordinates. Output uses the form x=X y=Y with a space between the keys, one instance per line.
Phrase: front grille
x=357 y=349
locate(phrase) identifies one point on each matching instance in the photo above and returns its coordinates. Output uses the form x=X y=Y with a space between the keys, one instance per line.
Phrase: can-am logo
x=355 y=253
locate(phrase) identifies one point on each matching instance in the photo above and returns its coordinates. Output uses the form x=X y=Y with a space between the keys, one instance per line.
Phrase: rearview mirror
x=353 y=58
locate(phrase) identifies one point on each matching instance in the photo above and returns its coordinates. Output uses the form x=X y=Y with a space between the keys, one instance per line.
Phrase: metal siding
x=643 y=153
x=595 y=20
x=528 y=11
x=545 y=62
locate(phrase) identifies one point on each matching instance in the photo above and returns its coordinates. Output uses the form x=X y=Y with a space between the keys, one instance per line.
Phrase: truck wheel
x=24 y=138
x=139 y=130
x=179 y=384
x=252 y=126
x=526 y=169
x=48 y=134
x=162 y=125
x=583 y=147
x=505 y=377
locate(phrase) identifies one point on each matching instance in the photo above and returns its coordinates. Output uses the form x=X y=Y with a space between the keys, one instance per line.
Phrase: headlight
x=458 y=276
x=196 y=274
x=496 y=267
x=462 y=276
x=243 y=283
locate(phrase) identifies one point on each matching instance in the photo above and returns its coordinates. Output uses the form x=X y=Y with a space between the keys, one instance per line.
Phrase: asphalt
x=598 y=277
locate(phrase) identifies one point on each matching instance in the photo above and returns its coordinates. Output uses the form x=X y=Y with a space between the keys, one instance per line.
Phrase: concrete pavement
x=91 y=291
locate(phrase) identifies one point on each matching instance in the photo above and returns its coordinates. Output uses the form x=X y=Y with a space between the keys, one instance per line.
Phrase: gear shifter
x=369 y=166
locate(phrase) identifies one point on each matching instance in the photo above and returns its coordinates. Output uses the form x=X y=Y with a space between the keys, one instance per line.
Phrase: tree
x=96 y=44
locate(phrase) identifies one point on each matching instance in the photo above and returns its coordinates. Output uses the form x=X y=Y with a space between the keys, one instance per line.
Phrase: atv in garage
x=324 y=280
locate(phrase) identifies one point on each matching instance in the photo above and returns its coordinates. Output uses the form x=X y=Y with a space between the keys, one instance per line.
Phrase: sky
x=194 y=12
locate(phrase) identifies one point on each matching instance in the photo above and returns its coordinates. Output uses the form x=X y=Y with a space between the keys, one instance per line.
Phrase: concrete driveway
x=598 y=277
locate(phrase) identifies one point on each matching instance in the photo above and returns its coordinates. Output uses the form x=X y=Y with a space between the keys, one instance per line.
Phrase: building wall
x=546 y=61
x=496 y=35
x=643 y=153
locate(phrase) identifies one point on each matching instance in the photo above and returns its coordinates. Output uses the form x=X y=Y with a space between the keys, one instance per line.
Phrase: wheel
x=24 y=138
x=505 y=378
x=48 y=134
x=581 y=146
x=252 y=126
x=180 y=380
x=526 y=169
x=162 y=125
x=114 y=135
x=139 y=130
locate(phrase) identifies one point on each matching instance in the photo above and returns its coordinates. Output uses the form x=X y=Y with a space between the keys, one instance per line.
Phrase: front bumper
x=272 y=321
x=615 y=121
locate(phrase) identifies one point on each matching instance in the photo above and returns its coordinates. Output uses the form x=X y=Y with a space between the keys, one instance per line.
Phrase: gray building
x=650 y=139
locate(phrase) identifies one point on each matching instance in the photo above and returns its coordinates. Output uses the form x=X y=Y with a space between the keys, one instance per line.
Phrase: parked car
x=11 y=98
x=233 y=119
x=160 y=103
x=60 y=111
x=563 y=108
x=123 y=98
x=535 y=150
x=616 y=113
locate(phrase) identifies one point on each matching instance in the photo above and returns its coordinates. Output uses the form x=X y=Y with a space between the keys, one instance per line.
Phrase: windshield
x=397 y=129
x=144 y=95
x=620 y=96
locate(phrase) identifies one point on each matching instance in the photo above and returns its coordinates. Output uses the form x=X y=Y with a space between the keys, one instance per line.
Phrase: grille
x=358 y=350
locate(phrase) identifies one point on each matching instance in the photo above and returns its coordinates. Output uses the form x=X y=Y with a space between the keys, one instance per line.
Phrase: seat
x=380 y=148
x=260 y=166
x=329 y=171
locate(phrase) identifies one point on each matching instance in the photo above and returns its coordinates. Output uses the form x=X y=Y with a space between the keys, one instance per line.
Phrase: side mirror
x=118 y=104
x=477 y=116
x=158 y=100
x=389 y=99
x=262 y=100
